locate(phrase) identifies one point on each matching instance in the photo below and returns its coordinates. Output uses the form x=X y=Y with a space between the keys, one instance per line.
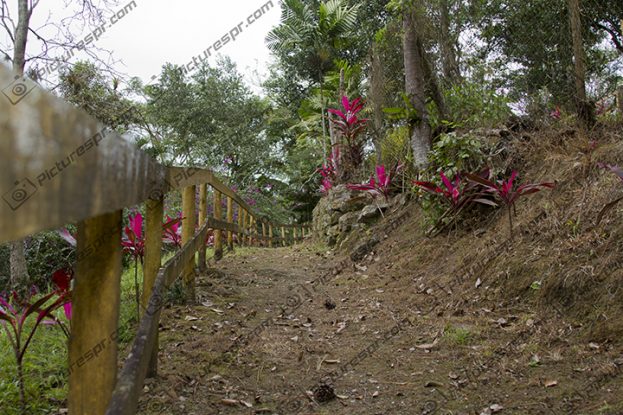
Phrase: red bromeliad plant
x=458 y=193
x=351 y=127
x=508 y=193
x=172 y=232
x=379 y=186
x=14 y=314
x=329 y=171
x=133 y=243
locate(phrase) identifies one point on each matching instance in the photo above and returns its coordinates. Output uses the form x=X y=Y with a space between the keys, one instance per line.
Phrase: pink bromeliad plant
x=15 y=312
x=508 y=192
x=133 y=243
x=351 y=127
x=329 y=171
x=381 y=185
x=173 y=231
x=458 y=192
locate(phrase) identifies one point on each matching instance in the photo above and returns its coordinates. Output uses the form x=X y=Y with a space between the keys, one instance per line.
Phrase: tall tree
x=19 y=267
x=415 y=85
x=584 y=109
x=310 y=39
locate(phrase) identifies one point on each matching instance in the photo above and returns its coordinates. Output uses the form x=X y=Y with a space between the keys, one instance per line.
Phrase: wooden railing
x=60 y=166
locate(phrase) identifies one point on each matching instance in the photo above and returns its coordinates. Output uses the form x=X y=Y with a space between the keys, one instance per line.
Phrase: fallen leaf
x=190 y=318
x=551 y=383
x=428 y=346
x=230 y=402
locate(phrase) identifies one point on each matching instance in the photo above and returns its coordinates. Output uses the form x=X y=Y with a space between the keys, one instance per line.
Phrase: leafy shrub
x=474 y=105
x=454 y=153
x=395 y=147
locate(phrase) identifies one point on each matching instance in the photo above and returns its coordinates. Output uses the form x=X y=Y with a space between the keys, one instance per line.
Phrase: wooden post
x=203 y=214
x=264 y=235
x=188 y=232
x=294 y=235
x=240 y=225
x=246 y=228
x=270 y=235
x=252 y=230
x=283 y=236
x=153 y=260
x=218 y=236
x=230 y=219
x=95 y=300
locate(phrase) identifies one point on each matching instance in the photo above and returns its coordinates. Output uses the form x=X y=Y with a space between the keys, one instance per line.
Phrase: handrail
x=61 y=166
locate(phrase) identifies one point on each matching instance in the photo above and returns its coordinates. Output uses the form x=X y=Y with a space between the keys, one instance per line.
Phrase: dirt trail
x=279 y=331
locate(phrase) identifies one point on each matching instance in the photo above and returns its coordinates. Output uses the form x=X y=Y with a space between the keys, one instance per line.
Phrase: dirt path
x=281 y=331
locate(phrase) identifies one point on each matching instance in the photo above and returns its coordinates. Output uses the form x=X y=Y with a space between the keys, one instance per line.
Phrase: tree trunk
x=450 y=68
x=21 y=36
x=415 y=89
x=19 y=268
x=322 y=116
x=377 y=95
x=620 y=99
x=431 y=82
x=584 y=109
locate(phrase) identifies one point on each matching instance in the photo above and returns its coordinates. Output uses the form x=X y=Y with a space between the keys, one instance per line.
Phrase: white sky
x=161 y=31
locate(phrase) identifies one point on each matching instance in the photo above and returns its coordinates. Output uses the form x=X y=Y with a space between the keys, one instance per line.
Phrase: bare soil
x=268 y=337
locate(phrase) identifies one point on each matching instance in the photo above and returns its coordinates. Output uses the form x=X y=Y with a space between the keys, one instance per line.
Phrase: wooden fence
x=60 y=166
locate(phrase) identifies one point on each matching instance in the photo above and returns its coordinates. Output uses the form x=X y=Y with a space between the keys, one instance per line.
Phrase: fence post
x=283 y=236
x=253 y=229
x=294 y=235
x=264 y=234
x=96 y=300
x=245 y=225
x=188 y=232
x=153 y=260
x=203 y=214
x=218 y=235
x=230 y=219
x=270 y=235
x=240 y=225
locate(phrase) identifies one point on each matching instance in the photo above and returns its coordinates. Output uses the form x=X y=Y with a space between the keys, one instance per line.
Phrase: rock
x=371 y=212
x=342 y=199
x=364 y=249
x=347 y=221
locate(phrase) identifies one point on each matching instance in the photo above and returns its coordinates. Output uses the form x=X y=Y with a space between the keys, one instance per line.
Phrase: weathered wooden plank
x=130 y=384
x=58 y=165
x=230 y=219
x=188 y=232
x=96 y=300
x=154 y=213
x=240 y=225
x=222 y=225
x=181 y=177
x=203 y=216
x=218 y=236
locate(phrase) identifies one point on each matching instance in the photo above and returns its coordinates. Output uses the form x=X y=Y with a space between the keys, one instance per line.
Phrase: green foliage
x=396 y=147
x=472 y=105
x=85 y=86
x=454 y=153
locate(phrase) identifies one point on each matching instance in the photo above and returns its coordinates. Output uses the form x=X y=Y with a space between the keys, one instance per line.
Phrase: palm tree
x=313 y=38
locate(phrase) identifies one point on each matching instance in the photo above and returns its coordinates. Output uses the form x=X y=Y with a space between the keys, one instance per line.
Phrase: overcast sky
x=160 y=31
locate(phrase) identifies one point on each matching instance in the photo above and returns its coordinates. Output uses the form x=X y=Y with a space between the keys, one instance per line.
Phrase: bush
x=474 y=105
x=453 y=154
